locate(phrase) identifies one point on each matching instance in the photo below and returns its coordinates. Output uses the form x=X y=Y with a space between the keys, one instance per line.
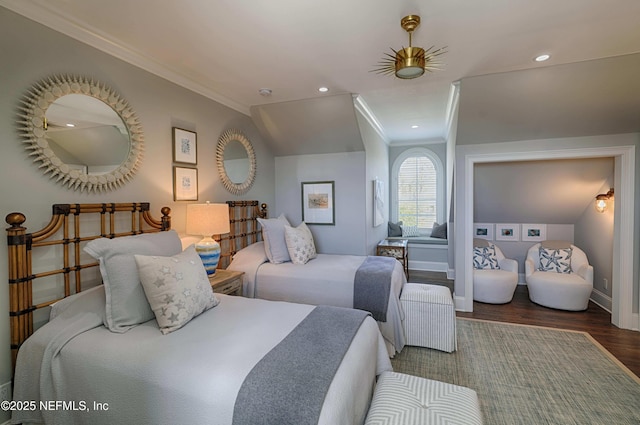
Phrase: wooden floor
x=623 y=344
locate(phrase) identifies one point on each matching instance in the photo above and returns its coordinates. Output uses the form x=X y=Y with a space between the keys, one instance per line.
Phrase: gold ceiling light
x=410 y=62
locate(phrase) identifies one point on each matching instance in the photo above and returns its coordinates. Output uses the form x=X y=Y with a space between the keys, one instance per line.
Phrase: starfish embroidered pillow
x=300 y=243
x=555 y=260
x=177 y=288
x=485 y=258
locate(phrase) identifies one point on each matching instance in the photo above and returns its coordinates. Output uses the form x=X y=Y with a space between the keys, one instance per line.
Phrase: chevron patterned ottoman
x=430 y=316
x=401 y=399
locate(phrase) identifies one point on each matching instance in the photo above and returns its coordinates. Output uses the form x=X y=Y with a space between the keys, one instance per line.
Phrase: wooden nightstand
x=396 y=248
x=227 y=282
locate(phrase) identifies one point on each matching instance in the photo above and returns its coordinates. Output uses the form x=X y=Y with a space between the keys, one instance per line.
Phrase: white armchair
x=565 y=290
x=495 y=286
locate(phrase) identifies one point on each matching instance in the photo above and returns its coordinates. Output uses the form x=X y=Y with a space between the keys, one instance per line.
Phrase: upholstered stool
x=429 y=316
x=401 y=399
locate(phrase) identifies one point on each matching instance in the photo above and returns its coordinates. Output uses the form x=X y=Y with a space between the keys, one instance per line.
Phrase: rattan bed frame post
x=21 y=244
x=244 y=226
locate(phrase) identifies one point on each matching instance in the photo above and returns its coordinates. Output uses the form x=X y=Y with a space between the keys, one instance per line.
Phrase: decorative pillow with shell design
x=300 y=243
x=485 y=258
x=555 y=260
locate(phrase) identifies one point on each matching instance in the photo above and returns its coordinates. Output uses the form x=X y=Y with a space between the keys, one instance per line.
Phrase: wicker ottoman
x=401 y=399
x=430 y=316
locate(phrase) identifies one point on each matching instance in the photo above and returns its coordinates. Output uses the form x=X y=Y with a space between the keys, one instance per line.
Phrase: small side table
x=396 y=248
x=227 y=282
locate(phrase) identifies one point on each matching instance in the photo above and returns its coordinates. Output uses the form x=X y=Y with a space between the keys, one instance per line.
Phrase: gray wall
x=348 y=171
x=31 y=52
x=377 y=167
x=594 y=234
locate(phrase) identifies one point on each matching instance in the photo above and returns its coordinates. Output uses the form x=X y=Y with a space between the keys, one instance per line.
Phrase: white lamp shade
x=207 y=219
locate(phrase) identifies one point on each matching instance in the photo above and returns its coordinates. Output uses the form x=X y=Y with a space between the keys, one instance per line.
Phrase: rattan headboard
x=66 y=219
x=243 y=221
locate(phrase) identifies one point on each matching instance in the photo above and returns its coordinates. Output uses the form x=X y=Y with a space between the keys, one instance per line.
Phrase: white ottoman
x=430 y=316
x=401 y=399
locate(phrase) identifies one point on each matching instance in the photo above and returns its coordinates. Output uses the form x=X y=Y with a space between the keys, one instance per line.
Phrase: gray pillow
x=439 y=231
x=395 y=229
x=126 y=304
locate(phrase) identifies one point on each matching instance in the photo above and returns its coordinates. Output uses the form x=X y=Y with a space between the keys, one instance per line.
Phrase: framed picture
x=318 y=203
x=185 y=184
x=184 y=146
x=534 y=232
x=483 y=231
x=507 y=232
x=378 y=202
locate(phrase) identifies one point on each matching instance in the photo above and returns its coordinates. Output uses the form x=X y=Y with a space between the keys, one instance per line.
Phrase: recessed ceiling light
x=323 y=89
x=542 y=58
x=71 y=125
x=415 y=126
x=265 y=92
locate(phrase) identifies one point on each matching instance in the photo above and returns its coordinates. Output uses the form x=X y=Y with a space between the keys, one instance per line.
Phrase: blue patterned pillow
x=484 y=257
x=555 y=260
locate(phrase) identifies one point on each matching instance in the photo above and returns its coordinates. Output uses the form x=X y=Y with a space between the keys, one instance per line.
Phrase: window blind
x=417 y=188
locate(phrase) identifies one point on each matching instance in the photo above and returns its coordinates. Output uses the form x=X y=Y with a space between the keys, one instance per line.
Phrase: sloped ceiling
x=311 y=126
x=580 y=99
x=552 y=192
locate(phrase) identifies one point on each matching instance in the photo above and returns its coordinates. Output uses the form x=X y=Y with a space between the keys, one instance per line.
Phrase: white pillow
x=126 y=304
x=409 y=231
x=555 y=260
x=251 y=254
x=300 y=243
x=176 y=287
x=275 y=245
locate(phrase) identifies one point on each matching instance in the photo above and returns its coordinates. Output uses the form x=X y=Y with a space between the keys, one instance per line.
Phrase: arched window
x=417 y=192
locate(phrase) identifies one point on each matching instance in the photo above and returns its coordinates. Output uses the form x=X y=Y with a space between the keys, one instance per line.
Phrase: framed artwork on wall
x=184 y=146
x=483 y=231
x=507 y=232
x=318 y=203
x=185 y=184
x=534 y=232
x=378 y=202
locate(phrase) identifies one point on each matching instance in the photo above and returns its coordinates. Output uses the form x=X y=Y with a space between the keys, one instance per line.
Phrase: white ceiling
x=228 y=50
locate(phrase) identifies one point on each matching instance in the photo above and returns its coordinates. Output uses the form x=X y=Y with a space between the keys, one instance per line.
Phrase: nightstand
x=227 y=282
x=396 y=248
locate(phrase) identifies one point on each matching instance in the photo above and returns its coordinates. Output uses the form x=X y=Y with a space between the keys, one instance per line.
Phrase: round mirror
x=236 y=162
x=83 y=133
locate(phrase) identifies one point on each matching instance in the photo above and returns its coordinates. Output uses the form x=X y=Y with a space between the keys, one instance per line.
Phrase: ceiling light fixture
x=323 y=89
x=542 y=58
x=602 y=200
x=415 y=126
x=265 y=92
x=410 y=62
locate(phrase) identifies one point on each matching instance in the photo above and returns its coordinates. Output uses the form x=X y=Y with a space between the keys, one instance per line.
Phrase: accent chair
x=559 y=276
x=495 y=277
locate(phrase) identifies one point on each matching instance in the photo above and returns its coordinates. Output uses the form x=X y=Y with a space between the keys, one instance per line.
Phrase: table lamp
x=208 y=220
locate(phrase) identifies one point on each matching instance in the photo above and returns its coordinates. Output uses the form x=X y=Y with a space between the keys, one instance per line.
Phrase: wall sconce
x=207 y=220
x=602 y=200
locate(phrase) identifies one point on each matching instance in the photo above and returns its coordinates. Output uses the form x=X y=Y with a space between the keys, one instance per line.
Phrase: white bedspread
x=188 y=376
x=327 y=279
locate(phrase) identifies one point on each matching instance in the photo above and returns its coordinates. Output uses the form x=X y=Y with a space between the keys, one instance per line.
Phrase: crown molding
x=44 y=14
x=362 y=107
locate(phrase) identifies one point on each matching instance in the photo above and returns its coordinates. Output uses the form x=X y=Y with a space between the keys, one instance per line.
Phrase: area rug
x=532 y=375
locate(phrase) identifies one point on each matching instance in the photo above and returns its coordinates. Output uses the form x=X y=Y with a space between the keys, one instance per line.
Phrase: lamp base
x=209 y=251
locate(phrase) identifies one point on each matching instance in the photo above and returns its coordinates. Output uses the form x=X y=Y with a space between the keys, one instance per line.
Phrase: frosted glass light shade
x=207 y=220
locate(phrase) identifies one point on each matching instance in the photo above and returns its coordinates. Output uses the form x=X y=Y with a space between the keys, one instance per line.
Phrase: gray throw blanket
x=289 y=385
x=372 y=285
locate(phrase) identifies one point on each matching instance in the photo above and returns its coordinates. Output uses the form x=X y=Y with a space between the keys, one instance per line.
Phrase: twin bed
x=240 y=361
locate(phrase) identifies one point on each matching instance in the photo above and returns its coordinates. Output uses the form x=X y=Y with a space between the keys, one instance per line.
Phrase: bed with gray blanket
x=324 y=280
x=210 y=371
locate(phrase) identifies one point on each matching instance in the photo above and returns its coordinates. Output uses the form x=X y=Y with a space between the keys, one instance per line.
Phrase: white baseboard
x=451 y=274
x=459 y=302
x=428 y=266
x=603 y=300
